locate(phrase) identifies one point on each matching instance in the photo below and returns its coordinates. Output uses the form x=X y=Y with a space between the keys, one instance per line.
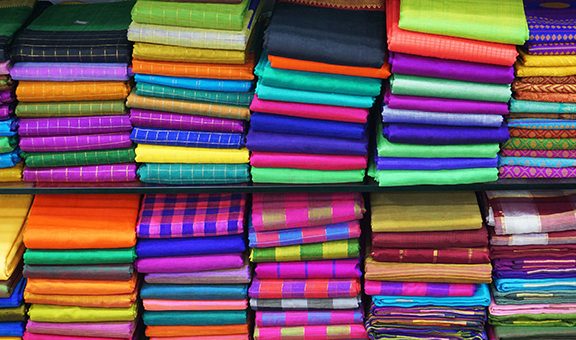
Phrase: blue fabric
x=197 y=83
x=8 y=128
x=546 y=124
x=511 y=285
x=397 y=163
x=480 y=298
x=11 y=328
x=302 y=126
x=193 y=292
x=10 y=159
x=444 y=135
x=538 y=162
x=16 y=298
x=190 y=246
x=198 y=139
x=437 y=118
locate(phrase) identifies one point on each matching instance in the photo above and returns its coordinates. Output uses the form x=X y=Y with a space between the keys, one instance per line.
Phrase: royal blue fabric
x=11 y=328
x=444 y=135
x=147 y=248
x=396 y=163
x=196 y=83
x=197 y=139
x=276 y=142
x=16 y=298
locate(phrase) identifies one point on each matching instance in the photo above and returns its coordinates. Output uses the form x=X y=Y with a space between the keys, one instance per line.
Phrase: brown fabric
x=548 y=80
x=568 y=116
x=451 y=255
x=432 y=239
x=544 y=251
x=546 y=88
x=546 y=97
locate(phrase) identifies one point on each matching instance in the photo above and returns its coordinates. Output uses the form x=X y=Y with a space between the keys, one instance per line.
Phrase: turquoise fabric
x=538 y=162
x=527 y=106
x=181 y=174
x=509 y=285
x=296 y=96
x=194 y=318
x=193 y=292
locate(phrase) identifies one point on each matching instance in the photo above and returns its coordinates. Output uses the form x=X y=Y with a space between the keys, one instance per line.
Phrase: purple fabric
x=551 y=23
x=73 y=126
x=175 y=121
x=5 y=112
x=122 y=330
x=276 y=142
x=76 y=143
x=189 y=264
x=82 y=174
x=444 y=105
x=226 y=276
x=551 y=48
x=444 y=135
x=535 y=274
x=5 y=67
x=69 y=71
x=451 y=69
x=6 y=96
x=325 y=269
x=394 y=163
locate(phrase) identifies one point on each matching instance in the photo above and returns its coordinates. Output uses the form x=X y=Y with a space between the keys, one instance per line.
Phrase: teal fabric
x=296 y=96
x=193 y=292
x=527 y=106
x=181 y=174
x=194 y=318
x=508 y=285
x=83 y=256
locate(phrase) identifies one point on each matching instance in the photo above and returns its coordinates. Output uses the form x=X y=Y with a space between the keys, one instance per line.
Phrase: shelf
x=369 y=186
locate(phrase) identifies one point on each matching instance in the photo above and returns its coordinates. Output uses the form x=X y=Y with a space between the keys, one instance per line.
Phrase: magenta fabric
x=175 y=121
x=444 y=105
x=123 y=330
x=306 y=161
x=5 y=111
x=6 y=96
x=189 y=264
x=312 y=317
x=419 y=289
x=35 y=127
x=80 y=174
x=539 y=153
x=69 y=71
x=313 y=111
x=326 y=269
x=76 y=143
x=513 y=171
x=5 y=67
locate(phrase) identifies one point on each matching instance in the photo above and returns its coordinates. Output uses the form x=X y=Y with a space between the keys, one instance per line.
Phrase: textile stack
x=533 y=252
x=428 y=267
x=191 y=249
x=316 y=86
x=14 y=15
x=194 y=82
x=81 y=283
x=13 y=209
x=307 y=276
x=543 y=112
x=450 y=87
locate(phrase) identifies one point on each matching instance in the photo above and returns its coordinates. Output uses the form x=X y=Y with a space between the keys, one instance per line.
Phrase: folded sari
x=223 y=276
x=279 y=238
x=7 y=144
x=347 y=332
x=194 y=305
x=70 y=72
x=426 y=272
x=529 y=296
x=539 y=153
x=146 y=52
x=334 y=269
x=546 y=96
x=13 y=314
x=545 y=71
x=16 y=298
x=537 y=162
x=8 y=127
x=14 y=210
x=200 y=69
x=553 y=88
x=196 y=139
x=279 y=142
x=305 y=304
x=149 y=248
x=34 y=336
x=299 y=96
x=449 y=255
x=36 y=91
x=444 y=135
x=420 y=289
x=304 y=289
x=534 y=332
x=536 y=172
x=71 y=109
x=168 y=92
x=6 y=111
x=438 y=118
x=199 y=332
x=13 y=174
x=280 y=62
x=150 y=153
x=78 y=158
x=434 y=177
x=307 y=161
x=299 y=176
x=308 y=318
x=101 y=301
x=31 y=127
x=175 y=121
x=372 y=5
x=79 y=257
x=12 y=329
x=431 y=239
x=47 y=313
x=106 y=330
x=397 y=163
x=535 y=252
x=7 y=286
x=193 y=292
x=299 y=210
x=80 y=287
x=541 y=144
x=541 y=106
x=481 y=297
x=106 y=141
x=85 y=272
x=446 y=105
x=543 y=22
x=114 y=173
x=189 y=264
x=199 y=84
x=553 y=238
x=193 y=318
x=181 y=174
x=510 y=285
x=315 y=251
x=548 y=319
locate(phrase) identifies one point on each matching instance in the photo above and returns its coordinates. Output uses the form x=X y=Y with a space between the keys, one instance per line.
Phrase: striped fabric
x=303 y=304
x=321 y=332
x=188 y=138
x=316 y=251
x=71 y=109
x=181 y=174
x=304 y=289
x=327 y=269
x=287 y=237
x=298 y=318
x=419 y=288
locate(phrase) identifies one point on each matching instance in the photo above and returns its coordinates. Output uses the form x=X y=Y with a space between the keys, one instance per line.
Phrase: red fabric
x=454 y=255
x=432 y=239
x=520 y=252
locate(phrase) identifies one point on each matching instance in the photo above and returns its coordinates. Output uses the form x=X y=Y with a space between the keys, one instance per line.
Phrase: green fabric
x=389 y=149
x=446 y=88
x=12 y=19
x=527 y=106
x=71 y=109
x=343 y=249
x=297 y=96
x=390 y=178
x=534 y=297
x=71 y=271
x=228 y=98
x=12 y=314
x=182 y=174
x=88 y=256
x=300 y=176
x=7 y=144
x=540 y=144
x=84 y=17
x=49 y=313
x=50 y=159
x=203 y=15
x=318 y=82
x=560 y=320
x=535 y=332
x=486 y=20
x=194 y=318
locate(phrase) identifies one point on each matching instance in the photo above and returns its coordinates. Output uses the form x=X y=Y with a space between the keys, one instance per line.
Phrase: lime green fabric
x=50 y=313
x=50 y=159
x=389 y=178
x=88 y=256
x=300 y=176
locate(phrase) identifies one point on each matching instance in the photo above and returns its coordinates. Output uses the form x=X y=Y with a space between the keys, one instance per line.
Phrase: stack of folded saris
x=191 y=251
x=307 y=281
x=81 y=283
x=543 y=112
x=13 y=209
x=533 y=249
x=194 y=83
x=442 y=116
x=72 y=68
x=428 y=267
x=316 y=85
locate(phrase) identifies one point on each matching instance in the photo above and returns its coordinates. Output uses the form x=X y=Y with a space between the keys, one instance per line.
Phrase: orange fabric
x=82 y=222
x=440 y=46
x=80 y=287
x=46 y=91
x=103 y=301
x=314 y=66
x=164 y=331
x=196 y=70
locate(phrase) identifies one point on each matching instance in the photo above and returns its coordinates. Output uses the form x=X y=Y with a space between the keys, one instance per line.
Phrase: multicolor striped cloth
x=316 y=251
x=301 y=304
x=299 y=318
x=304 y=289
x=324 y=332
x=419 y=288
x=329 y=269
x=287 y=237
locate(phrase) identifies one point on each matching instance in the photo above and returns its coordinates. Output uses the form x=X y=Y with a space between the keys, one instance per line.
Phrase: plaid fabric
x=332 y=232
x=308 y=252
x=191 y=215
x=175 y=121
x=71 y=109
x=197 y=70
x=304 y=289
x=228 y=98
x=73 y=126
x=69 y=71
x=46 y=160
x=37 y=91
x=83 y=174
x=419 y=289
x=302 y=304
x=319 y=332
x=76 y=143
x=523 y=212
x=188 y=138
x=181 y=174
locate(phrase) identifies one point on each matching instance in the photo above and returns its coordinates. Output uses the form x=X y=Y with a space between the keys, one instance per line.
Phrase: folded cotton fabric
x=196 y=139
x=200 y=84
x=336 y=269
x=175 y=121
x=69 y=71
x=150 y=153
x=437 y=118
x=444 y=135
x=299 y=176
x=193 y=292
x=190 y=246
x=305 y=304
x=315 y=251
x=480 y=298
x=278 y=142
x=180 y=174
x=189 y=264
x=79 y=257
x=306 y=161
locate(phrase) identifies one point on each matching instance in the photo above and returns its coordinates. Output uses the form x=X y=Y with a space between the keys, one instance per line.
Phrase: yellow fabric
x=13 y=212
x=13 y=174
x=547 y=60
x=425 y=211
x=47 y=313
x=544 y=71
x=148 y=153
x=188 y=54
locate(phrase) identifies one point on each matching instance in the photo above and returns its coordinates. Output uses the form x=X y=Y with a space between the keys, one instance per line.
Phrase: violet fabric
x=5 y=67
x=395 y=163
x=80 y=174
x=69 y=71
x=5 y=112
x=175 y=121
x=123 y=330
x=76 y=143
x=427 y=289
x=34 y=127
x=550 y=23
x=326 y=269
x=553 y=48
x=189 y=264
x=6 y=96
x=276 y=142
x=444 y=105
x=450 y=69
x=224 y=276
x=444 y=135
x=147 y=248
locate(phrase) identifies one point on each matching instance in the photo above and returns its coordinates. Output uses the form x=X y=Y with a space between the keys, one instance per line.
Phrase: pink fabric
x=419 y=289
x=192 y=305
x=306 y=161
x=337 y=269
x=216 y=337
x=5 y=67
x=338 y=113
x=565 y=308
